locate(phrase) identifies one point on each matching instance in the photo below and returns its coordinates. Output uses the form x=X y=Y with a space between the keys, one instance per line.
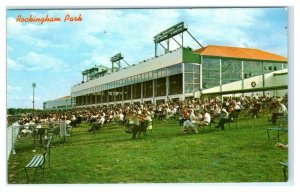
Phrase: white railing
x=13 y=130
x=11 y=138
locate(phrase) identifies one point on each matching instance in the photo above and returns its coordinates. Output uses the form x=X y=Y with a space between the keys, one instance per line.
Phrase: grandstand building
x=58 y=104
x=182 y=73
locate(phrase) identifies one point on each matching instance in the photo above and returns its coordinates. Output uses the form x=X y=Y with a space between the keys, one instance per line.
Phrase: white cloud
x=37 y=62
x=31 y=34
x=95 y=59
x=16 y=98
x=12 y=64
x=17 y=101
x=91 y=40
x=11 y=88
x=33 y=61
x=226 y=16
x=127 y=32
x=134 y=29
x=227 y=26
x=9 y=49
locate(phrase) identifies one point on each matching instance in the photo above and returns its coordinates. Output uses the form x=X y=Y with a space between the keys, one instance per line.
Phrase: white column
x=183 y=82
x=141 y=93
x=123 y=95
x=131 y=90
x=153 y=91
x=201 y=77
x=167 y=86
x=220 y=75
x=243 y=77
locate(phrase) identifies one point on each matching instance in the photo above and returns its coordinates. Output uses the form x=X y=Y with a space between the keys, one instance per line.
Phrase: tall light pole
x=33 y=86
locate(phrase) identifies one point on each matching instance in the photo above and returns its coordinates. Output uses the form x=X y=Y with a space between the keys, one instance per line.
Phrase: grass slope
x=166 y=156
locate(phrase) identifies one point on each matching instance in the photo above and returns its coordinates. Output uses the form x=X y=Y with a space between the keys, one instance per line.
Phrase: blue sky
x=53 y=55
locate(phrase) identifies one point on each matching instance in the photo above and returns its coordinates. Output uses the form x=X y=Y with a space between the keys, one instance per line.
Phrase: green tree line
x=18 y=111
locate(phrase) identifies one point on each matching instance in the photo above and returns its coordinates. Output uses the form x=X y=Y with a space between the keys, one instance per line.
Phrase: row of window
x=191 y=78
x=232 y=70
x=137 y=91
x=159 y=73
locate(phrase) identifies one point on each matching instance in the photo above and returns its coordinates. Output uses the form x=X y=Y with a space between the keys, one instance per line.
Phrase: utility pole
x=33 y=86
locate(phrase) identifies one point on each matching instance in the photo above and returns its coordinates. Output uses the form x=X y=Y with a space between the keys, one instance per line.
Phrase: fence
x=13 y=130
x=11 y=138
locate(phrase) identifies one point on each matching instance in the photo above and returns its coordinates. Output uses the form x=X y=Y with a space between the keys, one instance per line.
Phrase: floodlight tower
x=116 y=60
x=33 y=87
x=169 y=34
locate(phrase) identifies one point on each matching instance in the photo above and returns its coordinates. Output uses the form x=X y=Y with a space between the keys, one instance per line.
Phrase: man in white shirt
x=194 y=117
x=205 y=119
x=281 y=110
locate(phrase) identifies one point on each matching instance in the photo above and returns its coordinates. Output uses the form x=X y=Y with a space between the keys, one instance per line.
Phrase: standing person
x=133 y=124
x=149 y=119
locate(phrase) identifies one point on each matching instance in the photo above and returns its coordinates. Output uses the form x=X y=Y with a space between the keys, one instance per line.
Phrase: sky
x=53 y=55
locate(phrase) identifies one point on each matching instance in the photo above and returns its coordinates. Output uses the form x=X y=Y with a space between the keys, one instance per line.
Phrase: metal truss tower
x=168 y=35
x=116 y=62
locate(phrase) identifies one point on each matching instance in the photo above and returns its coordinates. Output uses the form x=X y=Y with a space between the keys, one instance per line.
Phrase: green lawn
x=166 y=156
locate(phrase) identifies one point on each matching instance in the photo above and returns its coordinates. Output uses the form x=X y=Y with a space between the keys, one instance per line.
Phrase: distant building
x=58 y=104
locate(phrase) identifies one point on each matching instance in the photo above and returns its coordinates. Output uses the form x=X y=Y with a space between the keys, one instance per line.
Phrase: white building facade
x=58 y=104
x=186 y=73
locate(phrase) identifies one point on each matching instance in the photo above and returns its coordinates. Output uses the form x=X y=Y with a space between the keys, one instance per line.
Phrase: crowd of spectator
x=189 y=112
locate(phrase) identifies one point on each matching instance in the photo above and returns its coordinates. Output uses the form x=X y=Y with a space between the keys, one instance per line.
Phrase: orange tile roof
x=238 y=52
x=65 y=97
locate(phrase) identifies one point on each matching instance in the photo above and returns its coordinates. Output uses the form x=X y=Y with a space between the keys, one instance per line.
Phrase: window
x=150 y=75
x=174 y=69
x=188 y=88
x=188 y=77
x=163 y=72
x=136 y=91
x=127 y=92
x=175 y=84
x=191 y=77
x=231 y=70
x=188 y=67
x=160 y=88
x=148 y=89
x=158 y=73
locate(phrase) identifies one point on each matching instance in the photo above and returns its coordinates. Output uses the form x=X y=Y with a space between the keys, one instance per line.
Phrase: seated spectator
x=216 y=111
x=236 y=106
x=194 y=117
x=254 y=109
x=224 y=117
x=184 y=116
x=280 y=110
x=73 y=121
x=97 y=125
x=145 y=120
x=205 y=118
